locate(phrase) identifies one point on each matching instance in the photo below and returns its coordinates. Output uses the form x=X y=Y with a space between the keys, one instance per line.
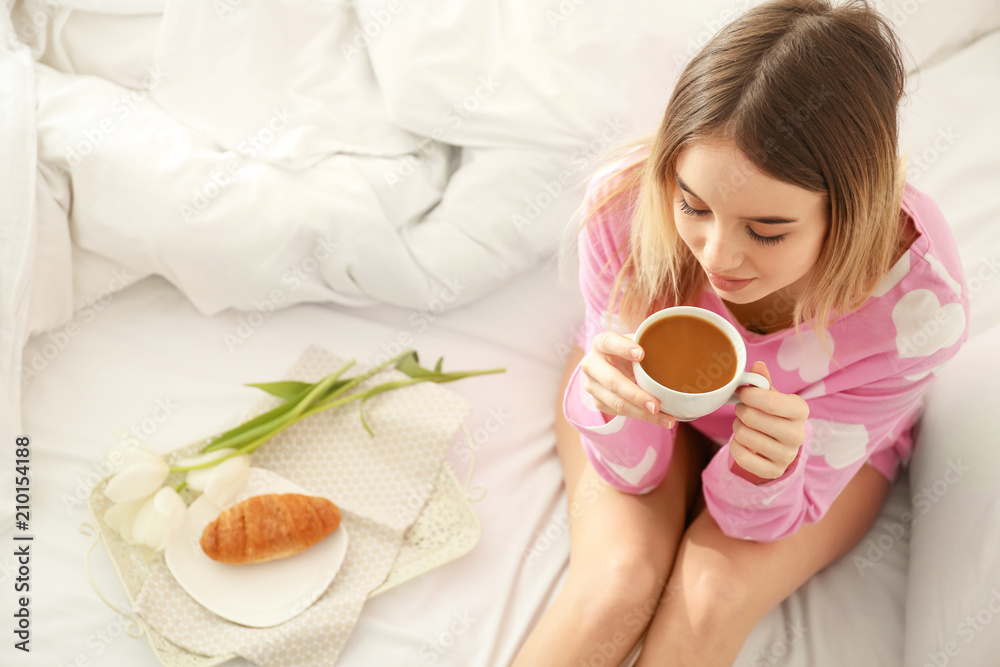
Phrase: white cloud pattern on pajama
x=943 y=272
x=840 y=444
x=808 y=357
x=635 y=474
x=924 y=326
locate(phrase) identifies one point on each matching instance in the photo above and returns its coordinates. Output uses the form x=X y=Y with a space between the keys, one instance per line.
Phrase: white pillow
x=515 y=72
x=931 y=30
x=953 y=601
x=506 y=72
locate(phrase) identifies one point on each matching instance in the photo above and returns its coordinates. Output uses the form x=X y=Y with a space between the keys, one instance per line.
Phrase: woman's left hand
x=768 y=430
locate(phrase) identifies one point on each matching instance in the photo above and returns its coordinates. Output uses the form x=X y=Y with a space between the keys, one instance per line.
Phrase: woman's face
x=718 y=196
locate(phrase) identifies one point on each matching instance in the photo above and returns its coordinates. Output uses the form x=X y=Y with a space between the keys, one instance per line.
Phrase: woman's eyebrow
x=684 y=187
x=768 y=220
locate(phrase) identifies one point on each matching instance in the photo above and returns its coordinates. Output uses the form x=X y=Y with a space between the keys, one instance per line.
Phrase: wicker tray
x=447 y=528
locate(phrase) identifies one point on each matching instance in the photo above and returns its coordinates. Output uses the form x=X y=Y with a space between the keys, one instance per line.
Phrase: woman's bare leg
x=622 y=548
x=722 y=586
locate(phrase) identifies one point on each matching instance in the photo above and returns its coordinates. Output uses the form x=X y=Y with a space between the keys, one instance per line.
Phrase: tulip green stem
x=281 y=420
x=208 y=464
x=303 y=400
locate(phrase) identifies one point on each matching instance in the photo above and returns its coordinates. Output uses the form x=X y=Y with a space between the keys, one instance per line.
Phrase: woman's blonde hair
x=808 y=92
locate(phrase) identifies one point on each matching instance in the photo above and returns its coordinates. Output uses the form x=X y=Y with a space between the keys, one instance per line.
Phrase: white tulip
x=143 y=513
x=158 y=518
x=197 y=479
x=121 y=517
x=141 y=474
x=228 y=479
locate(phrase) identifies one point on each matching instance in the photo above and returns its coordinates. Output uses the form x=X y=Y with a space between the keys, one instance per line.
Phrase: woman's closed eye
x=693 y=212
x=764 y=240
x=697 y=213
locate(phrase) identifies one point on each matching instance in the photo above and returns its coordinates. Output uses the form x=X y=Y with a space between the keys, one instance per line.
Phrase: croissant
x=269 y=527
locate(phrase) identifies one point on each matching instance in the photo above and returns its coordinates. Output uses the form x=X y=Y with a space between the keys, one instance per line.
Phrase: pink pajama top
x=862 y=407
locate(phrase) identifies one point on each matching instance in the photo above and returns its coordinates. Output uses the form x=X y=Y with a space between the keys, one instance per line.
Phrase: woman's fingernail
x=651 y=407
x=667 y=422
x=636 y=353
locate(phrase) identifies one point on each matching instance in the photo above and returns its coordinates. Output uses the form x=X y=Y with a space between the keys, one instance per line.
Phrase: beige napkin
x=378 y=483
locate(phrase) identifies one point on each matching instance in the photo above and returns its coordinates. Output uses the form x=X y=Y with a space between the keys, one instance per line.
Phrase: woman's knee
x=712 y=592
x=623 y=584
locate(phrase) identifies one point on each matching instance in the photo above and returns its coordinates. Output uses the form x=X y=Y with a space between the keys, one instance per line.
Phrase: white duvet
x=242 y=155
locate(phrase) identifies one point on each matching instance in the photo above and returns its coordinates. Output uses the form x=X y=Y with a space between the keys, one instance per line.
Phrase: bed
x=413 y=168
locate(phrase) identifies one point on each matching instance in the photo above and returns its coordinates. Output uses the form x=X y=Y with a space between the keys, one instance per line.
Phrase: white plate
x=259 y=595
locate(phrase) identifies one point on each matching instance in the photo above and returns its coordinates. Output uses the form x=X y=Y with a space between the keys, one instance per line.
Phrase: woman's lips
x=727 y=284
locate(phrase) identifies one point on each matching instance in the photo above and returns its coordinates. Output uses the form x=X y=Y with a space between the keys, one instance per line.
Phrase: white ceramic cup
x=681 y=405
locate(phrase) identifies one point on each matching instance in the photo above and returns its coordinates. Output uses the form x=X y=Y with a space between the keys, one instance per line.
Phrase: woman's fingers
x=763 y=444
x=785 y=431
x=610 y=365
x=769 y=401
x=609 y=379
x=612 y=343
x=612 y=403
x=618 y=380
x=753 y=462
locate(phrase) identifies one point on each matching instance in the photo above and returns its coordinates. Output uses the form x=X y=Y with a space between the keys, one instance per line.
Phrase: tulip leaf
x=302 y=400
x=286 y=390
x=381 y=389
x=270 y=416
x=410 y=365
x=291 y=390
x=274 y=419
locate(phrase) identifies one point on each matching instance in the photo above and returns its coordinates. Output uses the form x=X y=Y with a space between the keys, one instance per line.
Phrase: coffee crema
x=688 y=354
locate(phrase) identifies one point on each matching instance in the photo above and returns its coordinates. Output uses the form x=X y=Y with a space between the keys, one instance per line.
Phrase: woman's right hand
x=608 y=377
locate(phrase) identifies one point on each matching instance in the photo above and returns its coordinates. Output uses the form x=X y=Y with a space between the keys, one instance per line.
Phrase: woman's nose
x=721 y=251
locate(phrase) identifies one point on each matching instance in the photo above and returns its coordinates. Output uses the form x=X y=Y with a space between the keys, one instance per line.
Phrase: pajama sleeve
x=636 y=458
x=633 y=460
x=844 y=430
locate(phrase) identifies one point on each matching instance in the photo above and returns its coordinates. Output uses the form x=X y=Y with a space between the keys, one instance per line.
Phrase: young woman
x=773 y=195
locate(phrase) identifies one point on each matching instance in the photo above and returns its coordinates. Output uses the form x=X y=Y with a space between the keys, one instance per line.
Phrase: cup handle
x=617 y=422
x=756 y=379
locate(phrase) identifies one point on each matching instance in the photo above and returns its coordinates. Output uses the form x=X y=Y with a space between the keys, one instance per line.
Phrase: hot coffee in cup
x=693 y=362
x=687 y=354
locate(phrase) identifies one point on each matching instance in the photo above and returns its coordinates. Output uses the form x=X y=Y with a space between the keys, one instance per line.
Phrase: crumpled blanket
x=263 y=154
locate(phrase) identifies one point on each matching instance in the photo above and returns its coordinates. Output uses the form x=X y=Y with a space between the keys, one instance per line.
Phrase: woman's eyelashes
x=697 y=213
x=694 y=212
x=764 y=240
